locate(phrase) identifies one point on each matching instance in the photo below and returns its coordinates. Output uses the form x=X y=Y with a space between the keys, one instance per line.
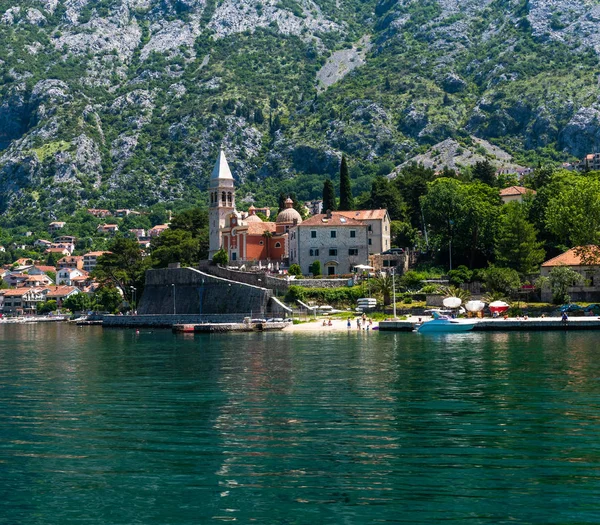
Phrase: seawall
x=187 y=291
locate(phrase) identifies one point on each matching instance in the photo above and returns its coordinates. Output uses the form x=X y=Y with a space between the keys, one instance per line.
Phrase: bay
x=114 y=426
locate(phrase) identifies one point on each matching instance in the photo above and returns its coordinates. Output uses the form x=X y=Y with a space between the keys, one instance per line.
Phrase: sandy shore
x=338 y=325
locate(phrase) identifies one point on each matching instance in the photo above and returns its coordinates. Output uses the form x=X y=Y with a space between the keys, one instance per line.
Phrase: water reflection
x=280 y=428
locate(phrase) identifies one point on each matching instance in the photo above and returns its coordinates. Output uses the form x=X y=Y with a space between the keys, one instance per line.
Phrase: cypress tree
x=329 y=196
x=346 y=198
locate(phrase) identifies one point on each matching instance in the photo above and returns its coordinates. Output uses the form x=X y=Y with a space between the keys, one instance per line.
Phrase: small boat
x=443 y=323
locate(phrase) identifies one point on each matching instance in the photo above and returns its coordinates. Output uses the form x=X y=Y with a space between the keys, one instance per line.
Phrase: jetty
x=229 y=327
x=507 y=325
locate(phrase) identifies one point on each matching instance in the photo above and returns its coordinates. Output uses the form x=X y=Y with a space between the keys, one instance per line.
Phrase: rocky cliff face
x=126 y=102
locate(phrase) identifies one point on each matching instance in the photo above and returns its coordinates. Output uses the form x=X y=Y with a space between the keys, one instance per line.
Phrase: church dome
x=252 y=217
x=289 y=215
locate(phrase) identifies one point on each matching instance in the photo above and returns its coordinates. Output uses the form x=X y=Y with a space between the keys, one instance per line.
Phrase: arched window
x=223 y=196
x=229 y=197
x=277 y=245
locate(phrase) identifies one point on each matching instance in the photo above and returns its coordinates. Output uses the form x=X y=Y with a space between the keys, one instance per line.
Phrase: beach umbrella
x=498 y=307
x=474 y=306
x=452 y=302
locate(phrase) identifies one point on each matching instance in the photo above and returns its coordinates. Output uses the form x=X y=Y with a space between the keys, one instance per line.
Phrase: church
x=245 y=236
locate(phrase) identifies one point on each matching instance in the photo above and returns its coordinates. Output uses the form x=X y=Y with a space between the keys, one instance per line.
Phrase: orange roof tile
x=337 y=219
x=516 y=190
x=573 y=257
x=363 y=215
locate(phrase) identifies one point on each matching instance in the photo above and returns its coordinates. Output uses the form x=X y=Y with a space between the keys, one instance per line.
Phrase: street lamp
x=394 y=290
x=133 y=292
x=174 y=310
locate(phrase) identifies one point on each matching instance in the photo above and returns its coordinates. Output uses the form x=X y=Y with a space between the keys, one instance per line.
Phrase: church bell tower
x=222 y=202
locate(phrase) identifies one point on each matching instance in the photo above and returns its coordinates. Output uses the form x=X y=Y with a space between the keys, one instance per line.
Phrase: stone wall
x=186 y=291
x=166 y=321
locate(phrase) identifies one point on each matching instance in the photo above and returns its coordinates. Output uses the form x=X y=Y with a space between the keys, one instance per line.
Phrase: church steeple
x=222 y=201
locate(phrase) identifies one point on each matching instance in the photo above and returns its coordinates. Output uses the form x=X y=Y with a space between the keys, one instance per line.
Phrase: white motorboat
x=443 y=323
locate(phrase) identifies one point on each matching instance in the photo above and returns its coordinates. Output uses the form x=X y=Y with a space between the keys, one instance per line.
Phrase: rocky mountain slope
x=125 y=102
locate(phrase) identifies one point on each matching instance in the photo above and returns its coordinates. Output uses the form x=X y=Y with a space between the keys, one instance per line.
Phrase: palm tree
x=454 y=291
x=384 y=284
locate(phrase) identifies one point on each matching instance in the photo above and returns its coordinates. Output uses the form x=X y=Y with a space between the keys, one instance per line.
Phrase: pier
x=507 y=325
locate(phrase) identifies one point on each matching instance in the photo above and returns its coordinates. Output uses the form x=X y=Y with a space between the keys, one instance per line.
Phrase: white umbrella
x=475 y=306
x=452 y=302
x=363 y=267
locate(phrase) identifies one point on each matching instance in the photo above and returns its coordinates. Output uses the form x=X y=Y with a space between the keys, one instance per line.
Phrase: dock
x=228 y=327
x=507 y=325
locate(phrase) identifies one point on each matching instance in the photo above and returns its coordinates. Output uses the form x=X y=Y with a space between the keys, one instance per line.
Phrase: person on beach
x=565 y=317
x=329 y=323
x=358 y=323
x=349 y=324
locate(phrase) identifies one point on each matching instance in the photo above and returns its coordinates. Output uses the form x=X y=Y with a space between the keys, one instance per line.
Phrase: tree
x=463 y=216
x=295 y=269
x=412 y=184
x=329 y=201
x=504 y=280
x=221 y=257
x=123 y=267
x=517 y=246
x=561 y=278
x=108 y=299
x=174 y=246
x=460 y=275
x=485 y=172
x=573 y=212
x=346 y=198
x=385 y=194
x=47 y=307
x=315 y=268
x=79 y=302
x=384 y=285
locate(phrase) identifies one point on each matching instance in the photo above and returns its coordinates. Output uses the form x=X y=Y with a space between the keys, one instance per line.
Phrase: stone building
x=378 y=227
x=222 y=202
x=339 y=243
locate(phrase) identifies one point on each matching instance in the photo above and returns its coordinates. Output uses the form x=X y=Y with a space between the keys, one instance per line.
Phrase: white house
x=66 y=275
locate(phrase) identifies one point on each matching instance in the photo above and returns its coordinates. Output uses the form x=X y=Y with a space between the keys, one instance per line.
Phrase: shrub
x=295 y=270
x=460 y=275
x=221 y=257
x=315 y=268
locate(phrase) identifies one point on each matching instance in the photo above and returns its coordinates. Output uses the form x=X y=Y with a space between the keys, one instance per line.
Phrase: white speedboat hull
x=446 y=325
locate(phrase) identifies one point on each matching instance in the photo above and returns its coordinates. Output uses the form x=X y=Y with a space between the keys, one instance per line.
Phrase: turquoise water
x=117 y=428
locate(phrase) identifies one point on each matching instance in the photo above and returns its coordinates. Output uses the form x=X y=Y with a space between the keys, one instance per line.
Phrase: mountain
x=124 y=103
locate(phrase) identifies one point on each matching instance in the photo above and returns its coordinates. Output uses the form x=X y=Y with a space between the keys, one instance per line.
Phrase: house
x=378 y=225
x=99 y=213
x=337 y=241
x=66 y=275
x=515 y=193
x=126 y=213
x=71 y=261
x=39 y=269
x=24 y=261
x=155 y=231
x=108 y=228
x=43 y=243
x=15 y=279
x=314 y=207
x=58 y=251
x=22 y=300
x=36 y=281
x=90 y=260
x=585 y=260
x=53 y=227
x=60 y=293
x=66 y=245
x=138 y=232
x=68 y=239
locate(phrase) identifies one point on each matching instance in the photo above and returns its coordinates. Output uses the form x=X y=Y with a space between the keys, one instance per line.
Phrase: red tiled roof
x=56 y=250
x=258 y=228
x=573 y=257
x=336 y=220
x=45 y=268
x=60 y=291
x=515 y=190
x=95 y=254
x=363 y=215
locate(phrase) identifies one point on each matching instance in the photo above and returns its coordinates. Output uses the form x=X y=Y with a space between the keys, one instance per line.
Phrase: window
x=332 y=252
x=333 y=234
x=370 y=242
x=314 y=252
x=370 y=228
x=313 y=234
x=261 y=243
x=277 y=245
x=352 y=251
x=352 y=234
x=330 y=270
